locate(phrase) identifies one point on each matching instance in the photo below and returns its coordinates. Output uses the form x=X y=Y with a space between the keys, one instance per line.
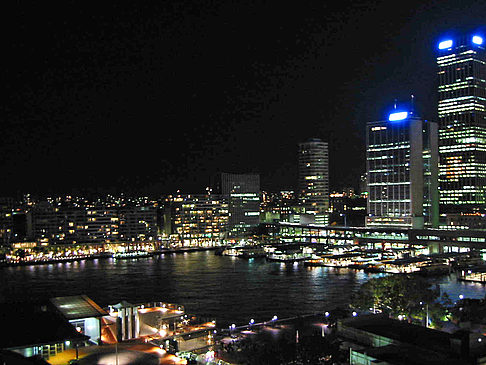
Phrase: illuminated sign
x=445 y=44
x=397 y=116
x=477 y=39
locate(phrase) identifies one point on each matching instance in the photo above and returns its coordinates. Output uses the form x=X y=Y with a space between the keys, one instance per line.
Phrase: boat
x=288 y=256
x=132 y=254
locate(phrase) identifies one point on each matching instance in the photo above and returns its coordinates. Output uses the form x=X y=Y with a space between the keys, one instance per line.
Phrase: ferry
x=281 y=256
x=132 y=254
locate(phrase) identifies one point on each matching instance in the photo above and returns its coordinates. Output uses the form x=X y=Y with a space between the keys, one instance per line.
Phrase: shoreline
x=107 y=256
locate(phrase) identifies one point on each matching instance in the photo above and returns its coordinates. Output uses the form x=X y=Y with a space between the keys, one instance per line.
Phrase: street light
x=345 y=221
x=461 y=297
x=426 y=314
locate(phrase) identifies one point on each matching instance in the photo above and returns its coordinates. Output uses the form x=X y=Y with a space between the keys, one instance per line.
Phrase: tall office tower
x=402 y=168
x=314 y=179
x=462 y=124
x=243 y=194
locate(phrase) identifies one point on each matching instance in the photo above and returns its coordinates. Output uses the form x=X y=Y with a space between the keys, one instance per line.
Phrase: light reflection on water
x=229 y=289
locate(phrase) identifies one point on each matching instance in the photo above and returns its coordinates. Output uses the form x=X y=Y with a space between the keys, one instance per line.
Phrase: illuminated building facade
x=137 y=223
x=196 y=219
x=314 y=179
x=402 y=169
x=461 y=65
x=91 y=223
x=243 y=194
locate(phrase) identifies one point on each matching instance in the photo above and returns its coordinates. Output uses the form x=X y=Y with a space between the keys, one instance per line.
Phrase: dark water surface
x=231 y=290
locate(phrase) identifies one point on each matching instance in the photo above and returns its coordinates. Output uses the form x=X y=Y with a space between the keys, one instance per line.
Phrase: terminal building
x=402 y=172
x=461 y=63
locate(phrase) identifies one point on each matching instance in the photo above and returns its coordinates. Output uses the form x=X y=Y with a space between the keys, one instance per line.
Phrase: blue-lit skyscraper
x=461 y=65
x=402 y=168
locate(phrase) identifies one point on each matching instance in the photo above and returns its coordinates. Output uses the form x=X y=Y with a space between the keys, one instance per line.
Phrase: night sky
x=150 y=97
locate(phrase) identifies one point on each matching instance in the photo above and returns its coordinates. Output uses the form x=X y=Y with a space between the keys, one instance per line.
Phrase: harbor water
x=228 y=289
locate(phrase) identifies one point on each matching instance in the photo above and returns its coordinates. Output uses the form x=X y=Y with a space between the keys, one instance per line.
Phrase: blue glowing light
x=445 y=44
x=397 y=116
x=477 y=39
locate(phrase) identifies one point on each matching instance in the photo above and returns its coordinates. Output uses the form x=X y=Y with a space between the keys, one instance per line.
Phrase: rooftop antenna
x=413 y=98
x=395 y=104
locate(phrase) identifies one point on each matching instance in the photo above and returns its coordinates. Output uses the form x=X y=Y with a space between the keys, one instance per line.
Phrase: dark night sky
x=155 y=96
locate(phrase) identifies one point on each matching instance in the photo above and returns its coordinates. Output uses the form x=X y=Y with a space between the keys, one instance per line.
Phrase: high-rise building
x=196 y=219
x=461 y=65
x=314 y=179
x=243 y=194
x=402 y=170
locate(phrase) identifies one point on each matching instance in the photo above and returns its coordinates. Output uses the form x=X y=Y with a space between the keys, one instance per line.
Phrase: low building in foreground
x=377 y=339
x=48 y=328
x=37 y=329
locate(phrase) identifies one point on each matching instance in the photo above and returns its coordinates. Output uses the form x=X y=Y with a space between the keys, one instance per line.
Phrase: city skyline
x=161 y=97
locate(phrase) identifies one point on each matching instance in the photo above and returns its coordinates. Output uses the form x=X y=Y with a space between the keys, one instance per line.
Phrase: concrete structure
x=314 y=179
x=461 y=62
x=402 y=168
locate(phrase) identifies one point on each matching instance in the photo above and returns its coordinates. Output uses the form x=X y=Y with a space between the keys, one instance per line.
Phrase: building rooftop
x=412 y=355
x=77 y=307
x=402 y=331
x=34 y=324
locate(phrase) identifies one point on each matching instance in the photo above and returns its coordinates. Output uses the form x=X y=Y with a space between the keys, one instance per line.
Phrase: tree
x=396 y=294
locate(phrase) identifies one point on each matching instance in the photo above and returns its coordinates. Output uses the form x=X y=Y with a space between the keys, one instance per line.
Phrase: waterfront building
x=137 y=223
x=196 y=219
x=242 y=192
x=461 y=62
x=99 y=222
x=402 y=170
x=38 y=330
x=314 y=179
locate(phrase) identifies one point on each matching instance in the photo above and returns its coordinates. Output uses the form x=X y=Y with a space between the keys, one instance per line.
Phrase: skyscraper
x=461 y=65
x=402 y=169
x=242 y=192
x=314 y=179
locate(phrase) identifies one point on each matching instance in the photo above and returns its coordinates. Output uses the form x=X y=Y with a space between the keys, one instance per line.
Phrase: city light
x=445 y=44
x=477 y=39
x=397 y=116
